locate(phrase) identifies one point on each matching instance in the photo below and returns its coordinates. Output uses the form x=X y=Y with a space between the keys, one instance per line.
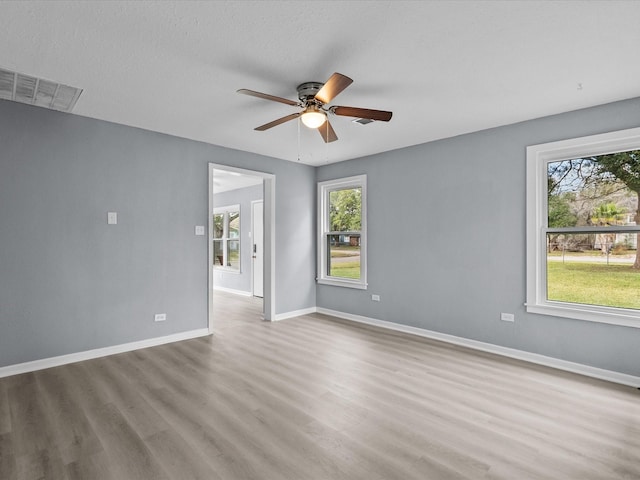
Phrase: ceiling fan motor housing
x=307 y=91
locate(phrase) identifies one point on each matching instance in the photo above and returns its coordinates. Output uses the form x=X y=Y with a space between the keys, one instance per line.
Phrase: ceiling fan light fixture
x=313 y=118
x=314 y=98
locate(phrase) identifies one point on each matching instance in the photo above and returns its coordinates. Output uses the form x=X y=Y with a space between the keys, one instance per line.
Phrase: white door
x=257 y=235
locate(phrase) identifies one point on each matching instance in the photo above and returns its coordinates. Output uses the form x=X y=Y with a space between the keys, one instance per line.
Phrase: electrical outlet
x=112 y=218
x=375 y=298
x=199 y=230
x=507 y=317
x=160 y=317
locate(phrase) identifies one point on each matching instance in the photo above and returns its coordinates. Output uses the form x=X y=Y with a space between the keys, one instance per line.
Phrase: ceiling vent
x=363 y=121
x=36 y=91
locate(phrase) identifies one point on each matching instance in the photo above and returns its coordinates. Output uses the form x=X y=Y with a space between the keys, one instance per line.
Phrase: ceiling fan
x=313 y=98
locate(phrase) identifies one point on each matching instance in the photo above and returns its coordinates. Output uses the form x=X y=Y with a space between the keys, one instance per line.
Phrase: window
x=342 y=242
x=226 y=238
x=583 y=228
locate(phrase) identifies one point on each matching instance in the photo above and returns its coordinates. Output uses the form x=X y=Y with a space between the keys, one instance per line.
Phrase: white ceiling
x=443 y=67
x=224 y=180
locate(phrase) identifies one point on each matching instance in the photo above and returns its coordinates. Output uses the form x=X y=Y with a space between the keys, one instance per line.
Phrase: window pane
x=218 y=259
x=233 y=254
x=593 y=269
x=342 y=232
x=234 y=224
x=343 y=252
x=218 y=225
x=594 y=191
x=345 y=210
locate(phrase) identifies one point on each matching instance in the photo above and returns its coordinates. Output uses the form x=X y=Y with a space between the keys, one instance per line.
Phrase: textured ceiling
x=224 y=180
x=443 y=67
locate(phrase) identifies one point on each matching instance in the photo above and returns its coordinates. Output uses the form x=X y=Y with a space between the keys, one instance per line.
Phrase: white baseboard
x=98 y=352
x=295 y=313
x=235 y=292
x=611 y=376
x=616 y=377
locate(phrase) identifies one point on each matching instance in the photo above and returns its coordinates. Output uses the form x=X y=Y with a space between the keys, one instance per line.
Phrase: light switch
x=112 y=218
x=199 y=229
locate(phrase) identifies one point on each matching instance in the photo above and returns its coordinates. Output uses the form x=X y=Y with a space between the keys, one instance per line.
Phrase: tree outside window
x=226 y=237
x=345 y=219
x=342 y=232
x=583 y=228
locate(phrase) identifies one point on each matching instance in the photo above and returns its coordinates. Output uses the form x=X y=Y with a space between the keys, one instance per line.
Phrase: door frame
x=253 y=263
x=269 y=226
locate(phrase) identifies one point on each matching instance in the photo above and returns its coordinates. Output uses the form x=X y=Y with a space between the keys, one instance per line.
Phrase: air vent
x=36 y=91
x=363 y=121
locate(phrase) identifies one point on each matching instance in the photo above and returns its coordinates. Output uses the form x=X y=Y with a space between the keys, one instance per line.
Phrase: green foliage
x=233 y=226
x=608 y=214
x=345 y=210
x=604 y=185
x=218 y=225
x=625 y=166
x=560 y=213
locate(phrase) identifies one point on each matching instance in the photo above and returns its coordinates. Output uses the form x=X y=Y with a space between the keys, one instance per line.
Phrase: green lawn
x=346 y=269
x=594 y=284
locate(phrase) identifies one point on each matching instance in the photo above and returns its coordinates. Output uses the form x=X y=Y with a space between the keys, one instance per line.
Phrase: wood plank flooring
x=313 y=398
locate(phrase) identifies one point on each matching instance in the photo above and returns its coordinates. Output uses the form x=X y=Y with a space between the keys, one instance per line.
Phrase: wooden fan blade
x=380 y=115
x=336 y=84
x=266 y=96
x=327 y=132
x=277 y=122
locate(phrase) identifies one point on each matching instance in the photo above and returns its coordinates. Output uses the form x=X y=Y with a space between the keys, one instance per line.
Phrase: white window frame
x=324 y=189
x=538 y=157
x=225 y=238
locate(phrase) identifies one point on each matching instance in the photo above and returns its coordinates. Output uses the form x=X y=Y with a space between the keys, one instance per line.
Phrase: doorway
x=241 y=238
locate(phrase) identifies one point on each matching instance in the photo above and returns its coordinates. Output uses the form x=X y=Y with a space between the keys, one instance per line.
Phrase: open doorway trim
x=253 y=264
x=269 y=197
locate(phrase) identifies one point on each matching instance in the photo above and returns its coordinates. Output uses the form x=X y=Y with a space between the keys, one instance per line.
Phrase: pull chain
x=326 y=143
x=299 y=138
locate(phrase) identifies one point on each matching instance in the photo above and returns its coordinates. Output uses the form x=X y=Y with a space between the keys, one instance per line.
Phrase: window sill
x=612 y=316
x=226 y=270
x=341 y=283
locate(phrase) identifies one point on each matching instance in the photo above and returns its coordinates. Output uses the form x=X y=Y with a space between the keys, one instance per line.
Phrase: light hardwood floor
x=314 y=398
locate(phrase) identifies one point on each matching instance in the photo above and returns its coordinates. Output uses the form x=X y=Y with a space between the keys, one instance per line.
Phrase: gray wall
x=446 y=226
x=69 y=282
x=243 y=197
